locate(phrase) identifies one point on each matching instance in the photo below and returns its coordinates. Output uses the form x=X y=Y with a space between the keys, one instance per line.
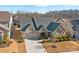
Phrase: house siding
x=67 y=26
x=76 y=33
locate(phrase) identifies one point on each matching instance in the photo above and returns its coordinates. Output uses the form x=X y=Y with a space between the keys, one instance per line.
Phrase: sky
x=37 y=8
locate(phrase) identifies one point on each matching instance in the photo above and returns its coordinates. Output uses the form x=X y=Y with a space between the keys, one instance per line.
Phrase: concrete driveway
x=33 y=46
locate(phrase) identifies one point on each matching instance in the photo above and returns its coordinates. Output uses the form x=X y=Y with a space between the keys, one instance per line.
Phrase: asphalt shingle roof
x=24 y=21
x=4 y=16
x=36 y=22
x=37 y=28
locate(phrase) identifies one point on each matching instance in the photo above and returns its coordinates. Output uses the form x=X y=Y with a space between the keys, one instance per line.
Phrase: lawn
x=77 y=42
x=21 y=47
x=61 y=46
x=14 y=48
x=18 y=38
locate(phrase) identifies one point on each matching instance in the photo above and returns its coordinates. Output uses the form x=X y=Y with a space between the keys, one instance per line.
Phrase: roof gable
x=25 y=27
x=52 y=26
x=43 y=29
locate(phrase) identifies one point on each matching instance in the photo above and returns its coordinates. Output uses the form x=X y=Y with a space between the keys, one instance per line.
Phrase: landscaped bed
x=55 y=47
x=5 y=44
x=14 y=48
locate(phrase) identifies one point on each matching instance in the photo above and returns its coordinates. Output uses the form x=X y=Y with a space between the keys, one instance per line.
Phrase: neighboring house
x=75 y=23
x=71 y=26
x=5 y=23
x=67 y=25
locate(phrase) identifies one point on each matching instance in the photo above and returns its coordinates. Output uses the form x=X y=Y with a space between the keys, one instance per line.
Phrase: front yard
x=14 y=48
x=65 y=46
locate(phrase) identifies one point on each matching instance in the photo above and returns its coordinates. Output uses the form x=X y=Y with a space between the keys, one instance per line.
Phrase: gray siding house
x=67 y=25
x=5 y=23
x=38 y=27
x=75 y=23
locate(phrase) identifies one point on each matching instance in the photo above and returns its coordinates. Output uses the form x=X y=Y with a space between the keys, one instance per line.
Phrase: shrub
x=20 y=41
x=0 y=43
x=65 y=37
x=58 y=37
x=5 y=37
x=4 y=42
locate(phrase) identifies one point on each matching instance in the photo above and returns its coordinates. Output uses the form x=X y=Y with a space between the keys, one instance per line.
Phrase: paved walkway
x=34 y=47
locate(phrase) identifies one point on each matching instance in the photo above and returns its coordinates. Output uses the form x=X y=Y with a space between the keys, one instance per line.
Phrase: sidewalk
x=34 y=47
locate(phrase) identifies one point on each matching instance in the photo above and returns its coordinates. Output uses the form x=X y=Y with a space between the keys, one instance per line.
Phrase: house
x=5 y=23
x=71 y=26
x=75 y=23
x=37 y=25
